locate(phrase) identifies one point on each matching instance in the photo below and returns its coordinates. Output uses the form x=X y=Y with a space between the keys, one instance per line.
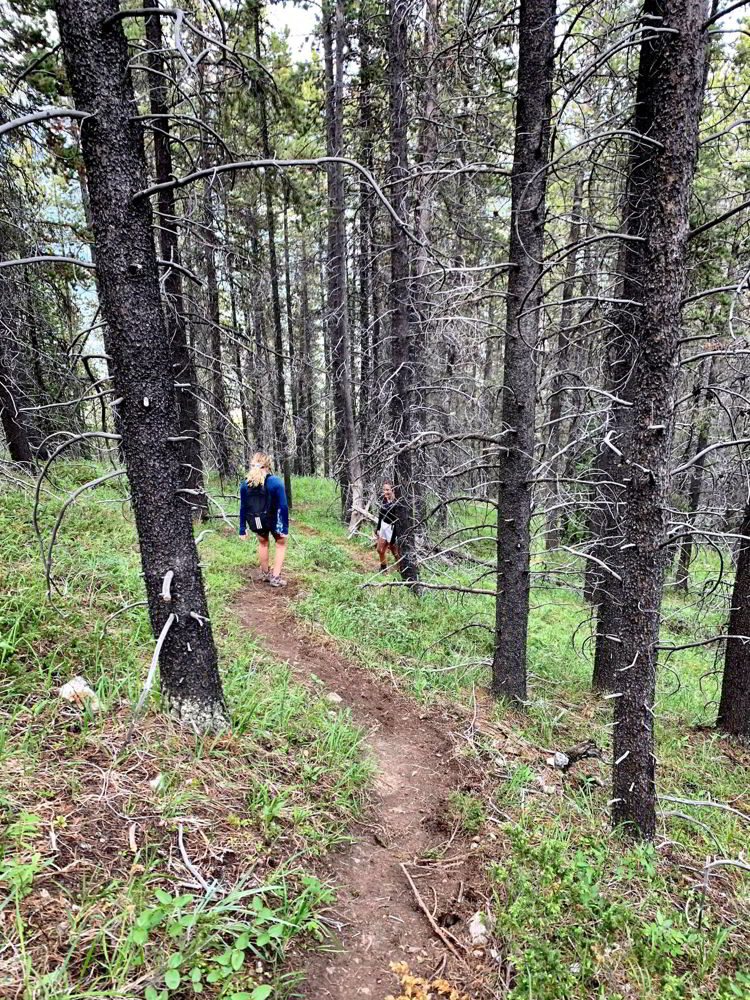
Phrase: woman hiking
x=387 y=530
x=264 y=509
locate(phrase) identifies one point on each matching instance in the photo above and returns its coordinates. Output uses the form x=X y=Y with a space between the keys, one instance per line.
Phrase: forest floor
x=322 y=840
x=413 y=879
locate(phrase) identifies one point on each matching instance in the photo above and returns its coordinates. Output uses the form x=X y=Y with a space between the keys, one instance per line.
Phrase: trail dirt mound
x=385 y=913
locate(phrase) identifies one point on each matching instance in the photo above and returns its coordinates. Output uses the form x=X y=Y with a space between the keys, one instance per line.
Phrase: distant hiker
x=264 y=509
x=387 y=530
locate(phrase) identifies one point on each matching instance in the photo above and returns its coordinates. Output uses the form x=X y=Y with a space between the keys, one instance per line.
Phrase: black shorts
x=264 y=535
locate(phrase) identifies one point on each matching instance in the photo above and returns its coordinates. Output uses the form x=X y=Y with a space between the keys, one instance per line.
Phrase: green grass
x=84 y=914
x=581 y=912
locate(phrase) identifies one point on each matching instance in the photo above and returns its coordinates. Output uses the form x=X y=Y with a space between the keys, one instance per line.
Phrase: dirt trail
x=380 y=919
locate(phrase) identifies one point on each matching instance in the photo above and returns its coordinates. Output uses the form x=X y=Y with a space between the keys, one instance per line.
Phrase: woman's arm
x=243 y=507
x=282 y=509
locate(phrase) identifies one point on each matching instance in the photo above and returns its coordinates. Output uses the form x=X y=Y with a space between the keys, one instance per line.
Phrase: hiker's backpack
x=258 y=507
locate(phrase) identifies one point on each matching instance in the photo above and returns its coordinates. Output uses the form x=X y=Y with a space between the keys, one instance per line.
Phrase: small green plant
x=18 y=868
x=211 y=942
x=266 y=807
x=470 y=811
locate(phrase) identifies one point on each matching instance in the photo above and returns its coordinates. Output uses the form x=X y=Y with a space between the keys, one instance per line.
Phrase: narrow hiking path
x=377 y=916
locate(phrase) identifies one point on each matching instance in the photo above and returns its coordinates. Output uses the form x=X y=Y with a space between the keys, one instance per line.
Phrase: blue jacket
x=279 y=511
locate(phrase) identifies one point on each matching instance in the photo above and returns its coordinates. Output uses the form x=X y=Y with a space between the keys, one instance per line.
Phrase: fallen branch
x=705 y=802
x=188 y=863
x=365 y=513
x=358 y=516
x=149 y=677
x=423 y=907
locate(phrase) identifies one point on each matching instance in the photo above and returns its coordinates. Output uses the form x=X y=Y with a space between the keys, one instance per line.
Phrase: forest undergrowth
x=582 y=912
x=98 y=839
x=176 y=865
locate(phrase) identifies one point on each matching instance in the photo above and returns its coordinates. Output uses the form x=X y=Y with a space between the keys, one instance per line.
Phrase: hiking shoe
x=277 y=581
x=264 y=576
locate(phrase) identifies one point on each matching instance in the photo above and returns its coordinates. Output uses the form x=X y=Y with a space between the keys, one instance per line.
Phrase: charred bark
x=734 y=705
x=402 y=359
x=366 y=218
x=528 y=192
x=668 y=101
x=96 y=61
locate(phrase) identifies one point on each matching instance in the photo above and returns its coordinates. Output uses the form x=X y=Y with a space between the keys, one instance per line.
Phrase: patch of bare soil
x=412 y=881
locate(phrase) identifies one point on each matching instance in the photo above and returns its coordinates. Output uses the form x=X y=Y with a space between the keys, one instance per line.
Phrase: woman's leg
x=382 y=547
x=263 y=552
x=278 y=563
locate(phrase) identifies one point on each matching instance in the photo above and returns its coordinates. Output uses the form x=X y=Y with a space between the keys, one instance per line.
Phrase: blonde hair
x=260 y=467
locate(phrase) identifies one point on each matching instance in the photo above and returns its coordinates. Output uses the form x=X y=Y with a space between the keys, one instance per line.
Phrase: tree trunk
x=96 y=60
x=290 y=330
x=347 y=460
x=554 y=519
x=668 y=101
x=366 y=214
x=734 y=706
x=402 y=378
x=20 y=433
x=420 y=291
x=242 y=395
x=13 y=421
x=528 y=190
x=182 y=359
x=306 y=431
x=260 y=361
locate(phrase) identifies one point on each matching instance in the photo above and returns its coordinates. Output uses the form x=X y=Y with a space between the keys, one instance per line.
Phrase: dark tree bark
x=182 y=360
x=528 y=190
x=14 y=424
x=366 y=218
x=279 y=408
x=96 y=61
x=17 y=424
x=402 y=346
x=347 y=459
x=668 y=102
x=420 y=290
x=734 y=706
